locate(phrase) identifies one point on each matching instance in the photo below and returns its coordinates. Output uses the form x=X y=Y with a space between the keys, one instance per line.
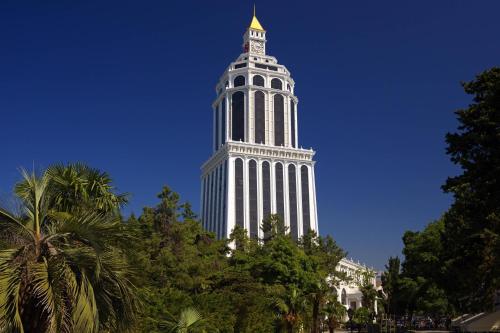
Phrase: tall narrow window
x=238 y=195
x=276 y=84
x=223 y=123
x=238 y=116
x=292 y=188
x=239 y=81
x=280 y=202
x=292 y=121
x=260 y=117
x=252 y=191
x=279 y=121
x=214 y=200
x=266 y=189
x=258 y=81
x=221 y=198
x=306 y=215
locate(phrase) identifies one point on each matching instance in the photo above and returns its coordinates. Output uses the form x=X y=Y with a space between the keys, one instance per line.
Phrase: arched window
x=260 y=117
x=343 y=297
x=280 y=200
x=304 y=182
x=238 y=116
x=239 y=81
x=276 y=84
x=238 y=189
x=292 y=199
x=258 y=80
x=288 y=87
x=279 y=121
x=252 y=191
x=292 y=122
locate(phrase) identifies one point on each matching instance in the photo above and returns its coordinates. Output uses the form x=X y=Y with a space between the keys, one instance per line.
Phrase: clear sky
x=126 y=86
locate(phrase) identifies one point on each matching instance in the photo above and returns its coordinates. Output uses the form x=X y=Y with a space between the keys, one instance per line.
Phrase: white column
x=260 y=198
x=273 y=187
x=314 y=210
x=246 y=196
x=230 y=196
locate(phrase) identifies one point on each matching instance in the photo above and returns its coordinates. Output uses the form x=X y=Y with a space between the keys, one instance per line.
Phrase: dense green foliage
x=453 y=265
x=237 y=285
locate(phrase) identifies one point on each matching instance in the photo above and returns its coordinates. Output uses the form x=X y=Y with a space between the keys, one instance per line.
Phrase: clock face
x=257 y=47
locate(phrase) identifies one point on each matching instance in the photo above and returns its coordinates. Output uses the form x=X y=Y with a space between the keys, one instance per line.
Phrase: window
x=343 y=297
x=238 y=116
x=292 y=122
x=238 y=195
x=239 y=81
x=258 y=81
x=280 y=201
x=292 y=199
x=288 y=87
x=276 y=84
x=279 y=121
x=240 y=65
x=260 y=117
x=252 y=192
x=304 y=182
x=266 y=189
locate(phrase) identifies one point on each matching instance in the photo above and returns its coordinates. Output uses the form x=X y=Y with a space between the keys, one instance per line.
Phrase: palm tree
x=188 y=319
x=77 y=187
x=290 y=306
x=62 y=271
x=335 y=312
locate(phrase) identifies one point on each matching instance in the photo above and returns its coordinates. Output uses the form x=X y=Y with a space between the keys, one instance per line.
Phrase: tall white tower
x=256 y=168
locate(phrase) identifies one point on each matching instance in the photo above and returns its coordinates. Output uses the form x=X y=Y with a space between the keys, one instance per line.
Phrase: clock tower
x=254 y=40
x=257 y=167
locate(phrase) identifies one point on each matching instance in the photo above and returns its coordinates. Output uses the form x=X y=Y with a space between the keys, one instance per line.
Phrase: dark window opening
x=238 y=116
x=292 y=187
x=239 y=81
x=238 y=195
x=279 y=121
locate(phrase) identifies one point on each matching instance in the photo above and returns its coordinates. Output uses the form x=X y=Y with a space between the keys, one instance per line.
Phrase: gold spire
x=255 y=24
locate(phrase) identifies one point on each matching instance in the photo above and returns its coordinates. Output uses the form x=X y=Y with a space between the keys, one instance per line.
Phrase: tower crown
x=254 y=39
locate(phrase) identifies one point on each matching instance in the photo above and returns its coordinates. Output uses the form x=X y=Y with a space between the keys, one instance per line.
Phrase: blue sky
x=126 y=86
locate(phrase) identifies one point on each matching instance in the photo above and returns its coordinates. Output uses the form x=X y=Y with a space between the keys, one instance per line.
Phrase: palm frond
x=85 y=314
x=10 y=284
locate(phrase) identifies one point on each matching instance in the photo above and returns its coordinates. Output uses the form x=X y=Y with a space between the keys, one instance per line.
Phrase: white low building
x=348 y=291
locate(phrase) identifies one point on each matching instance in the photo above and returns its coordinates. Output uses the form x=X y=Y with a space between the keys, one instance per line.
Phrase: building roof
x=255 y=24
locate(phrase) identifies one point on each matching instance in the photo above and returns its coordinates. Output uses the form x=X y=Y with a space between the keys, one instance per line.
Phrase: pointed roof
x=255 y=24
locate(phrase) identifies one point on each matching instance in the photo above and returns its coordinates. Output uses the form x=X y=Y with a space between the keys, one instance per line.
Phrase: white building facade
x=257 y=168
x=348 y=292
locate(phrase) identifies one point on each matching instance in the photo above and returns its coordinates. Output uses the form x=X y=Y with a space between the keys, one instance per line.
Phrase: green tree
x=62 y=271
x=472 y=225
x=391 y=284
x=334 y=313
x=368 y=291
